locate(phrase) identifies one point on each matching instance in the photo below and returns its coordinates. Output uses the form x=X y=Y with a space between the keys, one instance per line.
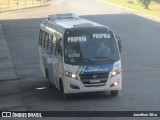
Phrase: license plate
x=94 y=81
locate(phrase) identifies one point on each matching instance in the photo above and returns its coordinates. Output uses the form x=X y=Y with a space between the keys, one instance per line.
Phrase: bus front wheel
x=114 y=93
x=65 y=95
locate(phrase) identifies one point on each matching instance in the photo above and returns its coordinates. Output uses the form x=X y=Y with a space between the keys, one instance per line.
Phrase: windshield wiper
x=88 y=60
x=111 y=59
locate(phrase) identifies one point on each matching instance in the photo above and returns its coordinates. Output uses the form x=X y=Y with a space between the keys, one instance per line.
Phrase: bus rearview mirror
x=119 y=43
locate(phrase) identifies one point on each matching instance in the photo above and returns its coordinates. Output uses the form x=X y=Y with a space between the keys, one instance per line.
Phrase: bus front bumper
x=76 y=86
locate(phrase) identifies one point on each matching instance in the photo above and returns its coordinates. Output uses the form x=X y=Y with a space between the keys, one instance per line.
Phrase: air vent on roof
x=83 y=25
x=62 y=16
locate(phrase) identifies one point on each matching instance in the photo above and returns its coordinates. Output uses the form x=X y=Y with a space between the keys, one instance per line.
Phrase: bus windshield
x=90 y=48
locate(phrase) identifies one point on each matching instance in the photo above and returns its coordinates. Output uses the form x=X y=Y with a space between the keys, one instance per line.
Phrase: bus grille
x=88 y=78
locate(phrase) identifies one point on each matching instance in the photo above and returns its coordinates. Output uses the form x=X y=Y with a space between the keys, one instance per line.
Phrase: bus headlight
x=72 y=75
x=115 y=72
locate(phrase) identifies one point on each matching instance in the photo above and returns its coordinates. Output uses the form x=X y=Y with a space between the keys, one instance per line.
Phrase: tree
x=147 y=2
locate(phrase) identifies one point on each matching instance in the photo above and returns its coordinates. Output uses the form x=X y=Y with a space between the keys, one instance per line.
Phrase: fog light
x=115 y=84
x=74 y=87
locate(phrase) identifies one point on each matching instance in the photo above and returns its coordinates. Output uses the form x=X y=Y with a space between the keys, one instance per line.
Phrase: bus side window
x=46 y=41
x=54 y=44
x=43 y=38
x=50 y=43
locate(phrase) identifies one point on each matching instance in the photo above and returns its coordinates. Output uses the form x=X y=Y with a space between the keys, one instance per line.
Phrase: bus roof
x=72 y=21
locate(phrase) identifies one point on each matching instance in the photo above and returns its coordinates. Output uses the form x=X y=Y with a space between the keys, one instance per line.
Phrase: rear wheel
x=114 y=93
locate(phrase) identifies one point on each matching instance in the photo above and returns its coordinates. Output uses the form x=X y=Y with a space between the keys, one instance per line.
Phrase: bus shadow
x=58 y=95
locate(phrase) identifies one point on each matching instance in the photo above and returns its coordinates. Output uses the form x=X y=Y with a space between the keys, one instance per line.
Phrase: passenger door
x=52 y=60
x=59 y=60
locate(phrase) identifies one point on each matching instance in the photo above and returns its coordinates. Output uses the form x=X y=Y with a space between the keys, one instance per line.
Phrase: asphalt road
x=140 y=64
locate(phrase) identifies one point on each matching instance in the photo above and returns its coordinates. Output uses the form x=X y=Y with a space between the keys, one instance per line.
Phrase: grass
x=6 y=5
x=154 y=9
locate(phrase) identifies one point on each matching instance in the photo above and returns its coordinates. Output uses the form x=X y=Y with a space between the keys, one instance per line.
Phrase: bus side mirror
x=119 y=43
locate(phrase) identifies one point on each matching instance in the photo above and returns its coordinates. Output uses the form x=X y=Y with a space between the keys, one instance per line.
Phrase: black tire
x=64 y=95
x=114 y=93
